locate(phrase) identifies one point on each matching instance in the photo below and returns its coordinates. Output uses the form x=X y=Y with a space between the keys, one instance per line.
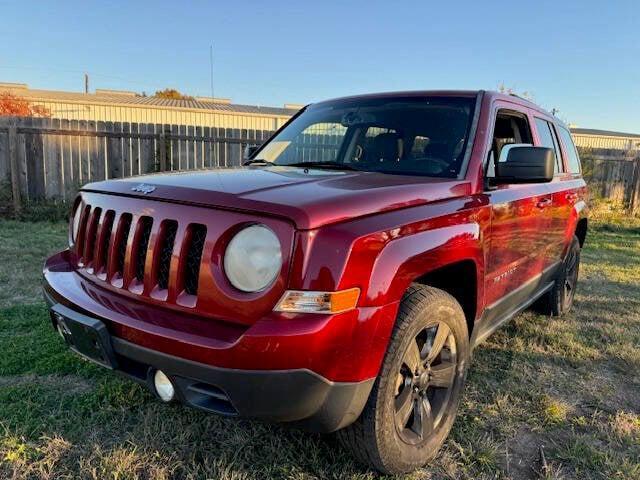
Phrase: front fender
x=406 y=259
x=382 y=255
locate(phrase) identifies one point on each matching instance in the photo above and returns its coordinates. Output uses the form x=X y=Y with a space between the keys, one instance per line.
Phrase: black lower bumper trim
x=295 y=396
x=298 y=396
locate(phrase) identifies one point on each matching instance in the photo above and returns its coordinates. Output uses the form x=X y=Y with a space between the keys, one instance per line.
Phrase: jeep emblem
x=143 y=188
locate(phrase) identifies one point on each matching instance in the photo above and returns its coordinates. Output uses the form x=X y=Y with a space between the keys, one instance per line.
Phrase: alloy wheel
x=424 y=382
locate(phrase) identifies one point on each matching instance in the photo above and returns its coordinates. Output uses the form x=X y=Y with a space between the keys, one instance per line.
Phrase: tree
x=15 y=106
x=172 y=93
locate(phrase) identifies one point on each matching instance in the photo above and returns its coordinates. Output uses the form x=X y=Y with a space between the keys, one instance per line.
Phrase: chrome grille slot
x=197 y=235
x=82 y=231
x=143 y=245
x=91 y=234
x=123 y=238
x=169 y=230
x=102 y=257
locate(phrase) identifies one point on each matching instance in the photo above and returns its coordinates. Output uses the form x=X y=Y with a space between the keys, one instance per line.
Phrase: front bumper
x=278 y=371
x=297 y=396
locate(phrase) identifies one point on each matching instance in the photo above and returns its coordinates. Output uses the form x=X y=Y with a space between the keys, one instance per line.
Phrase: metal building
x=122 y=106
x=605 y=139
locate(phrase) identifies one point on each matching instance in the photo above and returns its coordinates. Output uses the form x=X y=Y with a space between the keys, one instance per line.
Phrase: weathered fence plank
x=146 y=153
x=5 y=168
x=100 y=172
x=127 y=170
x=34 y=177
x=175 y=150
x=12 y=148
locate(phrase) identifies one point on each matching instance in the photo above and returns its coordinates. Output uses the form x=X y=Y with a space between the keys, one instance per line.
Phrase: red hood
x=310 y=200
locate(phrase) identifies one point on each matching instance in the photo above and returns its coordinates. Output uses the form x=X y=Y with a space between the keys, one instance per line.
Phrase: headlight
x=253 y=258
x=75 y=222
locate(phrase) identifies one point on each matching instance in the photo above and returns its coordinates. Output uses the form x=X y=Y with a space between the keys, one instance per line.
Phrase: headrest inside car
x=387 y=147
x=504 y=128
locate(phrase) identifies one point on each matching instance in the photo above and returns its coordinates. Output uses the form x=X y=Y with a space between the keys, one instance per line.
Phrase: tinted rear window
x=572 y=153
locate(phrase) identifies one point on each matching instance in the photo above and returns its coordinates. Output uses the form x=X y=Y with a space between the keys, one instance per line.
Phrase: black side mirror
x=249 y=150
x=525 y=164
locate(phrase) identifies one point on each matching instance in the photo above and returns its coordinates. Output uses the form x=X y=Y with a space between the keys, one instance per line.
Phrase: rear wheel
x=414 y=400
x=559 y=299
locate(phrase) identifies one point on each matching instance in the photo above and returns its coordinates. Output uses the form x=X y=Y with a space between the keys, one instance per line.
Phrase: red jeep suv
x=340 y=280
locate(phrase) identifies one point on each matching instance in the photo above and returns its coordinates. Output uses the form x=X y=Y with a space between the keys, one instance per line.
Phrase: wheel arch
x=447 y=278
x=450 y=258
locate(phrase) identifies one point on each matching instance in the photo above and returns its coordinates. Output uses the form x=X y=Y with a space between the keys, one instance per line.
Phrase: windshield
x=411 y=136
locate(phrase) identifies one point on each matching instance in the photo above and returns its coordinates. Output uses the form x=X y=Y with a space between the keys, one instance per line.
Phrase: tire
x=559 y=300
x=397 y=399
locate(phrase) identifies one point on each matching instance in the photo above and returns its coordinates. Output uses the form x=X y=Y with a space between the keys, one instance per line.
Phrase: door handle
x=571 y=197
x=544 y=203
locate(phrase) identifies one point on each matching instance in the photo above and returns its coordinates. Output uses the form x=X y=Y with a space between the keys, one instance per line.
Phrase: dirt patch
x=72 y=384
x=522 y=455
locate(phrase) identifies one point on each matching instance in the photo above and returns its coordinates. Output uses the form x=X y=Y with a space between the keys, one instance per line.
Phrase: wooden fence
x=613 y=175
x=49 y=159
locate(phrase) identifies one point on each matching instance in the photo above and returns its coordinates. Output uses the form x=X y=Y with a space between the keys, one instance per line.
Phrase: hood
x=310 y=198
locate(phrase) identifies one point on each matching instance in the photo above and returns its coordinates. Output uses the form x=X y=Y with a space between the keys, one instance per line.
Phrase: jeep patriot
x=341 y=278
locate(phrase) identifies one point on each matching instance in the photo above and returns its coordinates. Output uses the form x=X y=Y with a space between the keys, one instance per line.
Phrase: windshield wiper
x=259 y=161
x=334 y=165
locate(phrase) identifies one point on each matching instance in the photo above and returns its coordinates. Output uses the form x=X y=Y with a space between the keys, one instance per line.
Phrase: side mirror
x=525 y=164
x=249 y=150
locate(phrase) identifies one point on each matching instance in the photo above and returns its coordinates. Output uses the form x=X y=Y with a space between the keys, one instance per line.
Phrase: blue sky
x=581 y=57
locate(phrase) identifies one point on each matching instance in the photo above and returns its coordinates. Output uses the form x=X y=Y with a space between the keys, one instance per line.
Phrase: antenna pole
x=86 y=83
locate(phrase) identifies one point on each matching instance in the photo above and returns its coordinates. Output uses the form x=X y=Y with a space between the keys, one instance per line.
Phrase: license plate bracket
x=86 y=336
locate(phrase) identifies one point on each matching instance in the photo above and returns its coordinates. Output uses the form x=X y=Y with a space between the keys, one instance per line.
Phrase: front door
x=517 y=235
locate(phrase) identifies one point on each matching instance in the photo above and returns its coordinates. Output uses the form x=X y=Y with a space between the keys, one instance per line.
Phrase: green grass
x=568 y=387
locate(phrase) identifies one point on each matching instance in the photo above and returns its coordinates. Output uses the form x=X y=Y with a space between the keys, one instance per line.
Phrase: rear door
x=557 y=214
x=570 y=194
x=518 y=237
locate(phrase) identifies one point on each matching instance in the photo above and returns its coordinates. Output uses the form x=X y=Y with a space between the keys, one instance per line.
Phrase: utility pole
x=211 y=70
x=86 y=83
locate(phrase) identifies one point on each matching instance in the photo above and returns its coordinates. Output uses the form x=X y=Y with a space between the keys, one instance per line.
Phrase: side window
x=510 y=127
x=572 y=154
x=556 y=142
x=548 y=139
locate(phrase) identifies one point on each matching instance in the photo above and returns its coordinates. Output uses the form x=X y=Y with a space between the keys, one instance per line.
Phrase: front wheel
x=415 y=398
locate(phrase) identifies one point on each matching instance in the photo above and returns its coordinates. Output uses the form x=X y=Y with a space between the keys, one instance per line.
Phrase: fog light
x=164 y=387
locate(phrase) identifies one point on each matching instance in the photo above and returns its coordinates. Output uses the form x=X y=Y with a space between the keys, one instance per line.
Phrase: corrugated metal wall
x=608 y=142
x=160 y=115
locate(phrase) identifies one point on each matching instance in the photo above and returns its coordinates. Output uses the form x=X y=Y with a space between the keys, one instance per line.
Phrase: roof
x=126 y=98
x=491 y=94
x=603 y=133
x=408 y=93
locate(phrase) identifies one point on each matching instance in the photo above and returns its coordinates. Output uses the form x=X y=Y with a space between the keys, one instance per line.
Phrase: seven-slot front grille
x=130 y=251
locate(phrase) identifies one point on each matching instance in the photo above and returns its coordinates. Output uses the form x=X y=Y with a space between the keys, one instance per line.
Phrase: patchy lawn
x=546 y=398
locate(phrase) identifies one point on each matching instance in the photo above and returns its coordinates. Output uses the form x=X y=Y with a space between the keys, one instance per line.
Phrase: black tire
x=384 y=436
x=559 y=300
